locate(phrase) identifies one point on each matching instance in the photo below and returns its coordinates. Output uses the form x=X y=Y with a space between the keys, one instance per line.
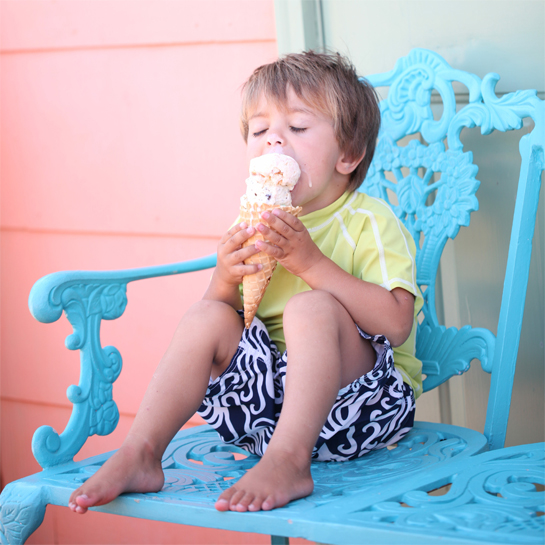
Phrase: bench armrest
x=87 y=298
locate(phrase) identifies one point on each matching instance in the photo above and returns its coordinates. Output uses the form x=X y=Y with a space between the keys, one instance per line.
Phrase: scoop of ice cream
x=272 y=178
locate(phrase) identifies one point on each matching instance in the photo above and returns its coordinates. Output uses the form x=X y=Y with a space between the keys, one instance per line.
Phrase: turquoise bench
x=441 y=483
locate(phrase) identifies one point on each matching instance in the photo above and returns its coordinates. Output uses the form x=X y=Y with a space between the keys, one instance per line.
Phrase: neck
x=325 y=199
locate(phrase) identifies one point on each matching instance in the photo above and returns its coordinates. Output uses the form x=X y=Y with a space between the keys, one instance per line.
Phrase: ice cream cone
x=254 y=285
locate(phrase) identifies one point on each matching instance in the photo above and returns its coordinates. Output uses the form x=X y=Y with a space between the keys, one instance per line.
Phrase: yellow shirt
x=363 y=236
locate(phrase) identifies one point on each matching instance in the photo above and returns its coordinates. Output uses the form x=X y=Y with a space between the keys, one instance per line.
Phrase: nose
x=274 y=139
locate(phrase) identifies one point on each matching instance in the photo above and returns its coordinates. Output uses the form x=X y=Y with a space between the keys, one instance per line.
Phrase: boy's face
x=307 y=135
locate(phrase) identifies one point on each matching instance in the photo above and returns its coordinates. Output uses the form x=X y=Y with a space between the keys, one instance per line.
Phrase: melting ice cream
x=272 y=178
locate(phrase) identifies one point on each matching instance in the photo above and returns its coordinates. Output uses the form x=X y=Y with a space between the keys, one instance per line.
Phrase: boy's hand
x=289 y=242
x=231 y=255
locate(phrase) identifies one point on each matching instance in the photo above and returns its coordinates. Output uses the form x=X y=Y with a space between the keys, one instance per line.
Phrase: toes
x=269 y=503
x=84 y=501
x=235 y=499
x=79 y=503
x=72 y=500
x=244 y=502
x=77 y=508
x=222 y=504
x=256 y=504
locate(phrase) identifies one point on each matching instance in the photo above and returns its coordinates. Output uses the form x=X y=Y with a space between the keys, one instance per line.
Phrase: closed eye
x=298 y=129
x=259 y=133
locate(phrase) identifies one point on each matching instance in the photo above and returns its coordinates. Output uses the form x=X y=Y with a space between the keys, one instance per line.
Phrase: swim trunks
x=244 y=403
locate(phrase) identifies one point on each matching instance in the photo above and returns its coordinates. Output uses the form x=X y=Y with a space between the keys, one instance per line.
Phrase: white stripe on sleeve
x=380 y=247
x=345 y=231
x=413 y=265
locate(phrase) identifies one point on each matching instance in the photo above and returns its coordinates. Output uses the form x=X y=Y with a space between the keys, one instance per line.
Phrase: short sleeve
x=385 y=251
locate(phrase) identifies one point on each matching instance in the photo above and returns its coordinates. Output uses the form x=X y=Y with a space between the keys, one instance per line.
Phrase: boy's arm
x=218 y=291
x=230 y=268
x=375 y=309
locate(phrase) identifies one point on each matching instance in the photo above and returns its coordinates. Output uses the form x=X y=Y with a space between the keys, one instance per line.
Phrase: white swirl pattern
x=244 y=403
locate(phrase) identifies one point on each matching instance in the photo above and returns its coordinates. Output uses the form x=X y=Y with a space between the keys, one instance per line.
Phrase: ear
x=347 y=165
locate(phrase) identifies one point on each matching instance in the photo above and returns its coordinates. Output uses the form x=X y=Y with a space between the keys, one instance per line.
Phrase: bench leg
x=279 y=540
x=22 y=510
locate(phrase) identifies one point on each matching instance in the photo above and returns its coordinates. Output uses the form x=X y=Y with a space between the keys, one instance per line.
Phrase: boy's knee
x=211 y=313
x=312 y=305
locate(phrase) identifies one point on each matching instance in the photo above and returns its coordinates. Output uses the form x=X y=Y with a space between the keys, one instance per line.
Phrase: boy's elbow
x=402 y=322
x=397 y=340
x=400 y=333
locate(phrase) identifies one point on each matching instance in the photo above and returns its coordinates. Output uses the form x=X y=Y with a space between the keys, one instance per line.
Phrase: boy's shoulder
x=367 y=217
x=352 y=214
x=369 y=207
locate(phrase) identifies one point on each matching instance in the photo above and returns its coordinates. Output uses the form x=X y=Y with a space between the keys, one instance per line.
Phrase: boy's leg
x=203 y=345
x=325 y=353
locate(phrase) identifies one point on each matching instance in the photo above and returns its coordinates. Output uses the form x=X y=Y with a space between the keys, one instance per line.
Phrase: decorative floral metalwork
x=94 y=411
x=198 y=466
x=87 y=298
x=434 y=186
x=447 y=352
x=494 y=496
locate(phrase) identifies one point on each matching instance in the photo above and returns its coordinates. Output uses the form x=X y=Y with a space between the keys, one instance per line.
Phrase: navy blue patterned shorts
x=244 y=403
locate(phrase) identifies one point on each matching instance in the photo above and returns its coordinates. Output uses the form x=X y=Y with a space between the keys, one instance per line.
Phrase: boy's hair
x=329 y=83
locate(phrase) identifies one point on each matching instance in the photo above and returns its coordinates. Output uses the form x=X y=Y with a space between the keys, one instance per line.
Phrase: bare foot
x=277 y=479
x=130 y=469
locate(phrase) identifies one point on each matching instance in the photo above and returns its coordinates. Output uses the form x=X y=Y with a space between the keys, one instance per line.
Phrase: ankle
x=294 y=455
x=141 y=448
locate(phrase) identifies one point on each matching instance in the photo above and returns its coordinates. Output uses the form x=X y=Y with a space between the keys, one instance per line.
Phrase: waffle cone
x=254 y=285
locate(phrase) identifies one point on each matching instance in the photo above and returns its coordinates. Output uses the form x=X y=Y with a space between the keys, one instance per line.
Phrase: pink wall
x=117 y=119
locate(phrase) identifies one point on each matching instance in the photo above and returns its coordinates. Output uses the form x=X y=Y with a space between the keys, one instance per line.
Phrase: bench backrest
x=430 y=182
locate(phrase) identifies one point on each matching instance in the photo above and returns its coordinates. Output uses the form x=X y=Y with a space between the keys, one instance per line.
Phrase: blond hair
x=329 y=83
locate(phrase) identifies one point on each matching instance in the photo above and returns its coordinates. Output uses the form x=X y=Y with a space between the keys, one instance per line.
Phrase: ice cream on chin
x=272 y=178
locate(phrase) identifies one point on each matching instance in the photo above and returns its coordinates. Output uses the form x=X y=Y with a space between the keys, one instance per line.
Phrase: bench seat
x=440 y=478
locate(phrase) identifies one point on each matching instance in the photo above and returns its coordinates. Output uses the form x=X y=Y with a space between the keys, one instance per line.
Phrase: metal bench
x=441 y=482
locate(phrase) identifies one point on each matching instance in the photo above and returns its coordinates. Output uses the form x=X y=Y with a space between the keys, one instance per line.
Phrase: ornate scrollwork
x=493 y=113
x=434 y=186
x=199 y=466
x=493 y=496
x=453 y=194
x=407 y=110
x=87 y=298
x=94 y=411
x=448 y=352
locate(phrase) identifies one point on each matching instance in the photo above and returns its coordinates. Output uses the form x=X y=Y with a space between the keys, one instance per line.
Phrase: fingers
x=235 y=260
x=238 y=234
x=243 y=254
x=271 y=236
x=282 y=221
x=231 y=244
x=282 y=227
x=244 y=270
x=281 y=233
x=274 y=251
x=232 y=254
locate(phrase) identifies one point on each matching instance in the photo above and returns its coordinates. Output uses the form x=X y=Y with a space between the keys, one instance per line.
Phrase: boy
x=344 y=290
